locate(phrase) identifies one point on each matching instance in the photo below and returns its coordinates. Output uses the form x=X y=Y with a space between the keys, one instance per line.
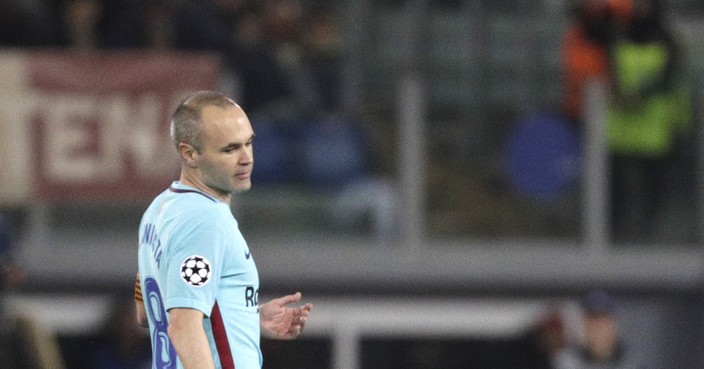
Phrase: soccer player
x=197 y=275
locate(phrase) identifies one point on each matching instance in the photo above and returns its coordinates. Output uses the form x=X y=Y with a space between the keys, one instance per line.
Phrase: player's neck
x=197 y=183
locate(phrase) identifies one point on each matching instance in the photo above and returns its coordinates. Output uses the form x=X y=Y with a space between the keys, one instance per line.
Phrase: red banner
x=100 y=122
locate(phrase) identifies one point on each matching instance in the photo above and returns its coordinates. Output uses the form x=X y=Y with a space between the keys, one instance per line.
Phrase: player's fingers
x=293 y=332
x=290 y=299
x=302 y=310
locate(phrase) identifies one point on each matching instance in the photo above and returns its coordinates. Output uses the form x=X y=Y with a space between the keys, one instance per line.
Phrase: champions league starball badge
x=195 y=270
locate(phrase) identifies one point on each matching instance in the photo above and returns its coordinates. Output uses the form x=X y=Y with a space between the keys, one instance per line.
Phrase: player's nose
x=247 y=156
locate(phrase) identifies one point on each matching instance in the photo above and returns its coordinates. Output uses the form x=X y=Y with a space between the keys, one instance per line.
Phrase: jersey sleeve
x=194 y=263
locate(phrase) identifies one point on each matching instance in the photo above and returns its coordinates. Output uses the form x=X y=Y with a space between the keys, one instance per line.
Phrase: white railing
x=345 y=321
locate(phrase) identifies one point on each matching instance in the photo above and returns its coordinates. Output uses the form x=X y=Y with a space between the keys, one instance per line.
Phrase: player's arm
x=188 y=337
x=141 y=314
x=139 y=305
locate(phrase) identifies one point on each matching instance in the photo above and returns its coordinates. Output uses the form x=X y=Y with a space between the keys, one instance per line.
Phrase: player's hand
x=280 y=321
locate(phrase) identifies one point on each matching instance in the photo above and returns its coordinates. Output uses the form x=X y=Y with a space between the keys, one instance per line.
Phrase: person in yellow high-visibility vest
x=647 y=109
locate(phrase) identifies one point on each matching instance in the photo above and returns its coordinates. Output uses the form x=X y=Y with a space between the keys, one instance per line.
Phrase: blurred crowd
x=281 y=55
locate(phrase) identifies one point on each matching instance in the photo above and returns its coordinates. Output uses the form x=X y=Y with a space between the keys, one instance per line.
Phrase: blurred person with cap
x=603 y=346
x=541 y=346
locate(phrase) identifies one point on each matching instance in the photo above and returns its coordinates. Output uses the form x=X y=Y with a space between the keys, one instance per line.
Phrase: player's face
x=226 y=158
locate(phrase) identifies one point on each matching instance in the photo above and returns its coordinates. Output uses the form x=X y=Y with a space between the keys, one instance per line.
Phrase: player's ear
x=188 y=154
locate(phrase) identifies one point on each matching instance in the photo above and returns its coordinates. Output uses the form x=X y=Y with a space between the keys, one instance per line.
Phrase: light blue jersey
x=192 y=255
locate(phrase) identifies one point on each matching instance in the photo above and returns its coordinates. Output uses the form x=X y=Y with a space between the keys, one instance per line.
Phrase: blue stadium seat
x=274 y=152
x=543 y=157
x=333 y=152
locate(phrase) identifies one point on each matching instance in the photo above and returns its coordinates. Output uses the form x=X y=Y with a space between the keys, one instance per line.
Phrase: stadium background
x=433 y=95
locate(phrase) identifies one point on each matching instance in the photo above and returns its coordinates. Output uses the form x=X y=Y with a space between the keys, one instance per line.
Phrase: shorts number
x=163 y=350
